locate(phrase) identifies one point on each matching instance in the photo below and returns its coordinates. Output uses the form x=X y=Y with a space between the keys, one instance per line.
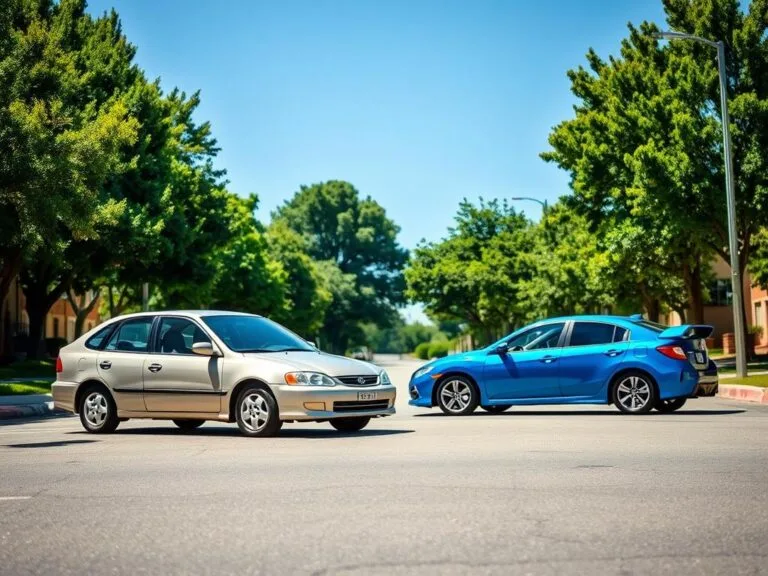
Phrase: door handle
x=548 y=359
x=105 y=364
x=154 y=367
x=612 y=353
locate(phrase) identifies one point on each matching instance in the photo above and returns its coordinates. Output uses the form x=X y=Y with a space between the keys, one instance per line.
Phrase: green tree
x=474 y=274
x=57 y=140
x=355 y=237
x=645 y=149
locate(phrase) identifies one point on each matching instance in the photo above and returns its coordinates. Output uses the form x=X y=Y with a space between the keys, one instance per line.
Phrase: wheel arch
x=85 y=385
x=450 y=374
x=240 y=386
x=627 y=370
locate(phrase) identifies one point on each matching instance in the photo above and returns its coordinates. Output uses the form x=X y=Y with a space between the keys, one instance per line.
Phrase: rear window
x=95 y=341
x=591 y=333
x=652 y=326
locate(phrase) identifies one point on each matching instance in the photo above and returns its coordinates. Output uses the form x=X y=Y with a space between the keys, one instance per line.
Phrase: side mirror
x=312 y=344
x=204 y=349
x=502 y=349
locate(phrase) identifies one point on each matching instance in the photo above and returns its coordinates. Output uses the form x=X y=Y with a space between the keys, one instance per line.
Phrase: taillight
x=59 y=365
x=672 y=351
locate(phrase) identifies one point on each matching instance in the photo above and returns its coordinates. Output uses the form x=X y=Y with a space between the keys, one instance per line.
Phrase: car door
x=529 y=369
x=121 y=361
x=592 y=354
x=176 y=379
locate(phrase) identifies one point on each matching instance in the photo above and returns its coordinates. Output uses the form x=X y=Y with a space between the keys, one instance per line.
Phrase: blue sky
x=418 y=103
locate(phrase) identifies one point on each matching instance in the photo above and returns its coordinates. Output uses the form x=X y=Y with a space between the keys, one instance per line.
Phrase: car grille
x=358 y=380
x=360 y=406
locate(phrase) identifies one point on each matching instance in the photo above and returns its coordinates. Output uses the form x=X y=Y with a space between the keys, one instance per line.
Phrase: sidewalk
x=23 y=406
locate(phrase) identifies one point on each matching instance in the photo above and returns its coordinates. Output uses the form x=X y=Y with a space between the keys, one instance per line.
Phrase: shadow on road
x=513 y=414
x=56 y=444
x=226 y=431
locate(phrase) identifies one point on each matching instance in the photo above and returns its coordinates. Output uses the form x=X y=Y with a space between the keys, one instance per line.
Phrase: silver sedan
x=193 y=366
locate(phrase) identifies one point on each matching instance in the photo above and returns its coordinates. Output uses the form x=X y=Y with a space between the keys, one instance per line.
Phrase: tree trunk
x=37 y=308
x=8 y=272
x=681 y=312
x=692 y=279
x=81 y=309
x=652 y=308
x=42 y=287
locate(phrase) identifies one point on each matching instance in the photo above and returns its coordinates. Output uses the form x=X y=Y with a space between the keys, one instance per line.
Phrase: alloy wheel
x=634 y=393
x=456 y=396
x=96 y=409
x=254 y=412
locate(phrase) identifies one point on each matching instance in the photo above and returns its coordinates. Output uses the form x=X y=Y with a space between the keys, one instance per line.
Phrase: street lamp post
x=733 y=247
x=543 y=203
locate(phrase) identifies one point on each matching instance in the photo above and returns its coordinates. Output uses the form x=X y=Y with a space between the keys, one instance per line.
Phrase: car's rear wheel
x=457 y=396
x=668 y=406
x=257 y=413
x=98 y=411
x=188 y=425
x=350 y=424
x=634 y=393
x=497 y=408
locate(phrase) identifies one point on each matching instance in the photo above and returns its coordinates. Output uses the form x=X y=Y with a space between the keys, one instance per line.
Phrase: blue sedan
x=631 y=362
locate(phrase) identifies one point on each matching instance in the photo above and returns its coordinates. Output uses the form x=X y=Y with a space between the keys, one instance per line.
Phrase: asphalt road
x=560 y=491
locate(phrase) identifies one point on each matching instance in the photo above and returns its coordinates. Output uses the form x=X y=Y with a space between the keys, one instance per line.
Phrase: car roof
x=191 y=313
x=591 y=318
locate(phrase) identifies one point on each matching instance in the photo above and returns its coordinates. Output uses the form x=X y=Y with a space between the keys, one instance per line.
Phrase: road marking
x=2 y=498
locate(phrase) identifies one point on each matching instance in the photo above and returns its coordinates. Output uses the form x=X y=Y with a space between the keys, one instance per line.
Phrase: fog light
x=314 y=406
x=414 y=392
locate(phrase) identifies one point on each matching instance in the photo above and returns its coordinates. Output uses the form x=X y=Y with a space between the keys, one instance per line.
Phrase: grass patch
x=22 y=388
x=29 y=369
x=715 y=352
x=750 y=366
x=760 y=381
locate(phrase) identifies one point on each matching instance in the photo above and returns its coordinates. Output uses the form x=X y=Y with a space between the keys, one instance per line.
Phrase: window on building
x=720 y=293
x=55 y=327
x=759 y=318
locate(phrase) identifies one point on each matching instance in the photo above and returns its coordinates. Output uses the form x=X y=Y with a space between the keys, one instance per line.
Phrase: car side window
x=592 y=333
x=132 y=335
x=95 y=341
x=176 y=336
x=546 y=336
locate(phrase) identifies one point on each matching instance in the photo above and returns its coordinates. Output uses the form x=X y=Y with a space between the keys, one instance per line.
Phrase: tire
x=188 y=425
x=634 y=393
x=497 y=408
x=256 y=412
x=669 y=406
x=350 y=424
x=457 y=396
x=98 y=411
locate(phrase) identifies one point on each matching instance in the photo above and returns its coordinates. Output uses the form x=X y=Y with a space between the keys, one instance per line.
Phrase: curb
x=25 y=407
x=743 y=393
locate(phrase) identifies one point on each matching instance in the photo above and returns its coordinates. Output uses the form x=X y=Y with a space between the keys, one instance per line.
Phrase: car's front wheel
x=98 y=411
x=457 y=396
x=188 y=425
x=257 y=413
x=634 y=393
x=350 y=424
x=668 y=406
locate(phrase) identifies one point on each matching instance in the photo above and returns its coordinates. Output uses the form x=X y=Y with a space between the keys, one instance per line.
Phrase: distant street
x=568 y=490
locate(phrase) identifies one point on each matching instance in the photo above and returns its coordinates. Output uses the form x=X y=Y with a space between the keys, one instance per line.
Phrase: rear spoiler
x=687 y=331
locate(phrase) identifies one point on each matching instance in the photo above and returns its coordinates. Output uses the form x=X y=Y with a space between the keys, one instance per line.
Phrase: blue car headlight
x=423 y=371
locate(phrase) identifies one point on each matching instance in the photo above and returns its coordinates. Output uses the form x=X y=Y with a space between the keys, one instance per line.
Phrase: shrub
x=439 y=349
x=422 y=351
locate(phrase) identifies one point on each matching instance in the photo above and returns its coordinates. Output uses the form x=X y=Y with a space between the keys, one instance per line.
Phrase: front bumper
x=64 y=395
x=308 y=403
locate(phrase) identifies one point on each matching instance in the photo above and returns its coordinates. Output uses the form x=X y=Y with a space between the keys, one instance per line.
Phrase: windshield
x=255 y=334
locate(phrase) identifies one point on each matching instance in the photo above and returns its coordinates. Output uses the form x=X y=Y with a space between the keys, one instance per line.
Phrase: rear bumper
x=708 y=385
x=64 y=395
x=304 y=403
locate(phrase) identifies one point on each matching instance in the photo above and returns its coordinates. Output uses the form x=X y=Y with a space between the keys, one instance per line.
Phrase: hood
x=474 y=356
x=317 y=362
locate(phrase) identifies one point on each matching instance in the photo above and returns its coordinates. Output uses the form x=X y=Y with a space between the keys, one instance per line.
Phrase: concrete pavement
x=568 y=490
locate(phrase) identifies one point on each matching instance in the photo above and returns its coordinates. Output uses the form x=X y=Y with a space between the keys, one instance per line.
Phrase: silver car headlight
x=308 y=379
x=384 y=378
x=421 y=372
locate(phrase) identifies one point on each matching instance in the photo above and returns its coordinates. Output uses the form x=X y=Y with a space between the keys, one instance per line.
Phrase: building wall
x=759 y=313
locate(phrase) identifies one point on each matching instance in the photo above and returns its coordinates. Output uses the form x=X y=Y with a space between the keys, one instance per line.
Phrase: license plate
x=366 y=395
x=699 y=358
